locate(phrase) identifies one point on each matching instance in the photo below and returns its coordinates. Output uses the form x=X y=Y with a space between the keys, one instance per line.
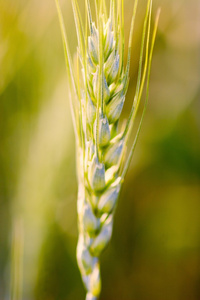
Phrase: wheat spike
x=97 y=102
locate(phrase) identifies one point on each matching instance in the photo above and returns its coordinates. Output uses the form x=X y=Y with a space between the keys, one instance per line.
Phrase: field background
x=155 y=249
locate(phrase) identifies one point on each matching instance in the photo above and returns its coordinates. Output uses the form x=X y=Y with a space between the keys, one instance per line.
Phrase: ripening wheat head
x=97 y=99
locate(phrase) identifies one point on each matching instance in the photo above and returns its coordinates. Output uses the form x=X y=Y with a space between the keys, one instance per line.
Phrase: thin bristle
x=72 y=82
x=105 y=9
x=130 y=41
x=101 y=58
x=86 y=46
x=78 y=27
x=89 y=15
x=136 y=98
x=121 y=34
x=66 y=48
x=96 y=11
x=147 y=95
x=140 y=86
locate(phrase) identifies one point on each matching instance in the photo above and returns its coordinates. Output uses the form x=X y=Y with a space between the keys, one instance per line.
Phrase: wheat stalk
x=97 y=101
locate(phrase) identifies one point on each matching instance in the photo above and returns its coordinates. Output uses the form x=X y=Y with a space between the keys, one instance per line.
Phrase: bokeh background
x=155 y=249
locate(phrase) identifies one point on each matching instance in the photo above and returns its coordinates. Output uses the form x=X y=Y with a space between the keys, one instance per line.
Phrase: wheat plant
x=97 y=98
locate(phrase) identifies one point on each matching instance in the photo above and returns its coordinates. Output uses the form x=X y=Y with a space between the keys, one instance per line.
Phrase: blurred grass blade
x=17 y=261
x=147 y=95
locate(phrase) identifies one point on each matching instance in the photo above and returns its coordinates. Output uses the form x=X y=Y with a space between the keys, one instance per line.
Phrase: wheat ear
x=96 y=102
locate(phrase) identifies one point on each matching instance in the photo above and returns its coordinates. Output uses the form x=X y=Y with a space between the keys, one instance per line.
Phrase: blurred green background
x=155 y=249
